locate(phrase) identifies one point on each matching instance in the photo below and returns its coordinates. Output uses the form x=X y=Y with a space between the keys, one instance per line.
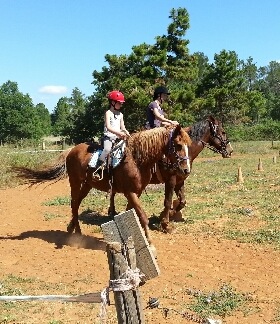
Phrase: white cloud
x=52 y=89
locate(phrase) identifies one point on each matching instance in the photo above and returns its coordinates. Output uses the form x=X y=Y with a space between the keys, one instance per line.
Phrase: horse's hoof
x=167 y=228
x=70 y=228
x=78 y=231
x=176 y=217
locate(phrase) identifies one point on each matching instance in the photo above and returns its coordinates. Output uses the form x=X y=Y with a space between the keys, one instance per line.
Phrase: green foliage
x=233 y=90
x=264 y=236
x=137 y=74
x=19 y=119
x=18 y=157
x=222 y=302
x=49 y=216
x=61 y=118
x=58 y=201
x=268 y=130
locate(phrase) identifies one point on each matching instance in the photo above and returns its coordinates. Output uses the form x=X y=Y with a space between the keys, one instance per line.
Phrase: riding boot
x=98 y=173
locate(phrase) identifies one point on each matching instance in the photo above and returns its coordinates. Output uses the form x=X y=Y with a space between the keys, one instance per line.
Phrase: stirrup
x=98 y=173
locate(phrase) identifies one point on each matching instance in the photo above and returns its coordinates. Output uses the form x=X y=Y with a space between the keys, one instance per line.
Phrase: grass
x=222 y=302
x=37 y=311
x=217 y=205
x=58 y=201
x=49 y=216
x=277 y=314
x=19 y=157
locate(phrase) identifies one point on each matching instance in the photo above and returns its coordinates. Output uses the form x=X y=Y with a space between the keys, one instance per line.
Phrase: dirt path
x=31 y=246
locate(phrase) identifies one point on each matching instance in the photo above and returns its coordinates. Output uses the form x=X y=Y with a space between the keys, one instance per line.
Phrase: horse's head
x=218 y=138
x=178 y=153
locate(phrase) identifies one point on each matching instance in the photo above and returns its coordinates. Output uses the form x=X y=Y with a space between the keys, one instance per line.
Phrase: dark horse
x=206 y=133
x=130 y=177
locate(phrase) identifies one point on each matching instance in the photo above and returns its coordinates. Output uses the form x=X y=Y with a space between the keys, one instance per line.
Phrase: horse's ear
x=177 y=130
x=211 y=118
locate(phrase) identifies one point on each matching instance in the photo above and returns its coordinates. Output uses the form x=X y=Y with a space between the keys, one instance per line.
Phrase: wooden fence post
x=128 y=302
x=239 y=175
x=260 y=166
x=128 y=249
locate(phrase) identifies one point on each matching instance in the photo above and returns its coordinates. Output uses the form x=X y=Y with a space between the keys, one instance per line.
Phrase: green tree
x=19 y=119
x=256 y=101
x=61 y=118
x=44 y=119
x=223 y=89
x=257 y=106
x=166 y=62
x=78 y=103
x=269 y=85
x=250 y=73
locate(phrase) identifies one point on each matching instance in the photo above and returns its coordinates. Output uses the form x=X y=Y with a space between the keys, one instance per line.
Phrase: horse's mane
x=148 y=145
x=197 y=130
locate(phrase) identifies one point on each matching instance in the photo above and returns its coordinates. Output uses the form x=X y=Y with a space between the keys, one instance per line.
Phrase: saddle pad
x=117 y=154
x=94 y=157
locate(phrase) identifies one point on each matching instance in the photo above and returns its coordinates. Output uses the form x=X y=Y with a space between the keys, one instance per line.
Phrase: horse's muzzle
x=227 y=150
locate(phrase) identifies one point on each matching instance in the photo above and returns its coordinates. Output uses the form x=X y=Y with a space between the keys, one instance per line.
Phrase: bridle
x=214 y=134
x=165 y=161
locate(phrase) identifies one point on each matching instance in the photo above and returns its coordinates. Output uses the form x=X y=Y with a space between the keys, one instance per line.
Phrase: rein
x=213 y=129
x=212 y=148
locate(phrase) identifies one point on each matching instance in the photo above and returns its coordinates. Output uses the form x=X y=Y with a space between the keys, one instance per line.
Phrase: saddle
x=113 y=159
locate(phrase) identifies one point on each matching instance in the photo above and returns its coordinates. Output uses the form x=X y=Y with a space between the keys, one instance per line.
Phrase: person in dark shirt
x=155 y=114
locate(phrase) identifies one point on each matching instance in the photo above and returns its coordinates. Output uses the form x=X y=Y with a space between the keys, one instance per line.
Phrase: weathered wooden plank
x=111 y=232
x=125 y=225
x=129 y=225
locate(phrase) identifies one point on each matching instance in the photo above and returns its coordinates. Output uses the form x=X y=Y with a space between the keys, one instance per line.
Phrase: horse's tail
x=56 y=172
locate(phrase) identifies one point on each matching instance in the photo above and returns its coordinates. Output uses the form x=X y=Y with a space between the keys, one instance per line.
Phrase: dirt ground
x=31 y=246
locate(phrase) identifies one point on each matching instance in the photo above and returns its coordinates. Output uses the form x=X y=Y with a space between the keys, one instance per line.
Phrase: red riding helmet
x=116 y=96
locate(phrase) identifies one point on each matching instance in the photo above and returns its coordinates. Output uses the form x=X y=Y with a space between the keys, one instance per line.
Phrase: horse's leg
x=168 y=196
x=78 y=192
x=112 y=209
x=175 y=213
x=180 y=192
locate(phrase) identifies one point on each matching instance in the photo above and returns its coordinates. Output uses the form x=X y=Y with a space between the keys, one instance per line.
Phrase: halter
x=171 y=149
x=224 y=143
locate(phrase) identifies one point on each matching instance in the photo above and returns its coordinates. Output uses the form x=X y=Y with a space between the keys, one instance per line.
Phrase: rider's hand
x=174 y=122
x=122 y=136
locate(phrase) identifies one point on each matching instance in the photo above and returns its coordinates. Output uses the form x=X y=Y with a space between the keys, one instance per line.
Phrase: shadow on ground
x=60 y=239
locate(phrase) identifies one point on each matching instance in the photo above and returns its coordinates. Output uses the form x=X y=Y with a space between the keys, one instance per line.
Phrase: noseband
x=214 y=134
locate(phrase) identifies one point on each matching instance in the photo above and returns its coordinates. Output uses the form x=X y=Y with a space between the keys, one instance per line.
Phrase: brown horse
x=130 y=177
x=207 y=133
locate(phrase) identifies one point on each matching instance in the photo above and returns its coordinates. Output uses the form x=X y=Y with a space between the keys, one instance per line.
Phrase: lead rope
x=129 y=280
x=211 y=147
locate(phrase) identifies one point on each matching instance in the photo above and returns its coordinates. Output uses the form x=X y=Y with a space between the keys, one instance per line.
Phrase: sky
x=50 y=47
